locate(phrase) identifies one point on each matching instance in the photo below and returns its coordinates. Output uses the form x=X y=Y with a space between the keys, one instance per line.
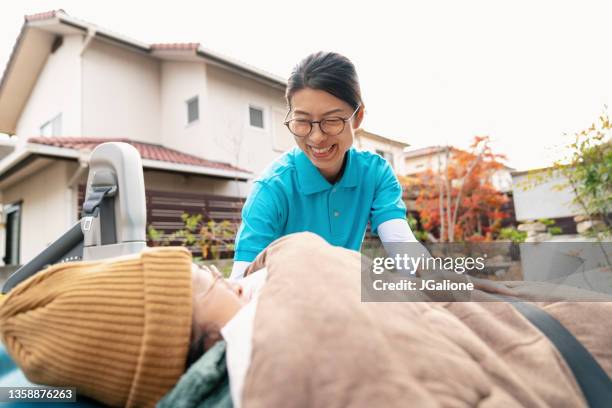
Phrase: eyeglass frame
x=217 y=276
x=312 y=122
x=196 y=343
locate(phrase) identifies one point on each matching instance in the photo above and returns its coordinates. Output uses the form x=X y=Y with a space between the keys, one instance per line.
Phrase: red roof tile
x=147 y=150
x=42 y=16
x=175 y=46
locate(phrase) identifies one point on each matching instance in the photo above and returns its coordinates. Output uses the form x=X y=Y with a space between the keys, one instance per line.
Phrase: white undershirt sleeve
x=238 y=270
x=396 y=231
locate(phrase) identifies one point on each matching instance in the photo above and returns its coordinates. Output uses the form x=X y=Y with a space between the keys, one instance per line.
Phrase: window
x=52 y=127
x=386 y=155
x=256 y=117
x=12 y=229
x=193 y=110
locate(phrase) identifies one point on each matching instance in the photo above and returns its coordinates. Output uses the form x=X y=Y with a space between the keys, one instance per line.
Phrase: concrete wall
x=543 y=200
x=121 y=93
x=57 y=91
x=45 y=210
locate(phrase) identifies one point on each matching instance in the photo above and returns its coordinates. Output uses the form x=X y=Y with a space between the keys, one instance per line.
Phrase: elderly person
x=119 y=330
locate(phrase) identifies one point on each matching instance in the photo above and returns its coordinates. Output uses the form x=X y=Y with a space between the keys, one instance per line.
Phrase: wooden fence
x=164 y=211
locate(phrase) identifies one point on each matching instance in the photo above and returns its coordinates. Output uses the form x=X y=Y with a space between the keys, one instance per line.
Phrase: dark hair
x=201 y=343
x=329 y=72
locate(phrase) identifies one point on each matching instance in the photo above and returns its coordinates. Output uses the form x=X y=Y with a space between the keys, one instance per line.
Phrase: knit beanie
x=117 y=329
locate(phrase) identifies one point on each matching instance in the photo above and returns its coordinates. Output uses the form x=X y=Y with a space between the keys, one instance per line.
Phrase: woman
x=324 y=185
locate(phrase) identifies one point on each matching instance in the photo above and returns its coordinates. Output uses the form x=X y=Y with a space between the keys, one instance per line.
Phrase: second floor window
x=52 y=127
x=256 y=117
x=193 y=110
x=387 y=156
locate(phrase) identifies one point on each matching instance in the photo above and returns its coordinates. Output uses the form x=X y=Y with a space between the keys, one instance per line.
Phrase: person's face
x=324 y=151
x=215 y=301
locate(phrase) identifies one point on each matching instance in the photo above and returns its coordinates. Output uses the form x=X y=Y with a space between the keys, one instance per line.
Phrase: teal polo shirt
x=292 y=196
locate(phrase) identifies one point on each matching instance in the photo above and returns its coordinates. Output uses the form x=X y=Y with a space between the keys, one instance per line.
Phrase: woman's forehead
x=317 y=102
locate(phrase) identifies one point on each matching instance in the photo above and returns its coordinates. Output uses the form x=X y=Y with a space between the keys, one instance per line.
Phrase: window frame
x=187 y=102
x=263 y=116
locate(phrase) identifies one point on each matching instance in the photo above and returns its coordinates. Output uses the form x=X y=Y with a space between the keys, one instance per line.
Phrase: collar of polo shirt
x=312 y=181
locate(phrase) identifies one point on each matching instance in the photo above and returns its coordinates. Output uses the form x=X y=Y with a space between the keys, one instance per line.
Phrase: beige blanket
x=315 y=344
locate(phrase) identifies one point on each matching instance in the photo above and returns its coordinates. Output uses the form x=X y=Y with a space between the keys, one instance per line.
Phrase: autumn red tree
x=456 y=199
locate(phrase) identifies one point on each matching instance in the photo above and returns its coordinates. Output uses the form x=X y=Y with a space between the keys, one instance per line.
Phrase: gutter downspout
x=91 y=33
x=83 y=165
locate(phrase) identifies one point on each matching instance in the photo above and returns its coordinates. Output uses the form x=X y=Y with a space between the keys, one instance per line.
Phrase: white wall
x=181 y=81
x=222 y=132
x=45 y=208
x=364 y=142
x=121 y=93
x=57 y=90
x=502 y=180
x=225 y=121
x=413 y=165
x=542 y=200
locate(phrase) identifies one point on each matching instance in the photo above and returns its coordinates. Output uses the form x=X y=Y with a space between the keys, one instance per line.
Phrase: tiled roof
x=42 y=16
x=147 y=151
x=175 y=46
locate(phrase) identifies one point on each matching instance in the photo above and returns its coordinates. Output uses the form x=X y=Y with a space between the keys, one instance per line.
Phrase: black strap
x=592 y=379
x=94 y=199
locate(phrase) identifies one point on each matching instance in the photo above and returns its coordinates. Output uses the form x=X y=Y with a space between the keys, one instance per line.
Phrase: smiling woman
x=324 y=185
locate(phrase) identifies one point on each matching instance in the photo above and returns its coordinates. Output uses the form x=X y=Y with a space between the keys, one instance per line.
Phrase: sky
x=529 y=74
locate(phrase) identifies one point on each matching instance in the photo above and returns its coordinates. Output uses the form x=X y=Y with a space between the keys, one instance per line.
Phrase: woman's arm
x=264 y=215
x=398 y=240
x=396 y=230
x=388 y=203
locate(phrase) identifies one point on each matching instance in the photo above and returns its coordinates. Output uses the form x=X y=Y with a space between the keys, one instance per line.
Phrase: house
x=434 y=158
x=551 y=192
x=204 y=124
x=392 y=150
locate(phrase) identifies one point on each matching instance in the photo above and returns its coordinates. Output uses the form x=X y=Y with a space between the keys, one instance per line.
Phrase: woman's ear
x=359 y=117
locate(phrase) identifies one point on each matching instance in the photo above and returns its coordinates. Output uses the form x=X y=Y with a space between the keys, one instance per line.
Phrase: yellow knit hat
x=118 y=330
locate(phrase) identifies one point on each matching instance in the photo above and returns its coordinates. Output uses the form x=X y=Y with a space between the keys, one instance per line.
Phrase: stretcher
x=113 y=223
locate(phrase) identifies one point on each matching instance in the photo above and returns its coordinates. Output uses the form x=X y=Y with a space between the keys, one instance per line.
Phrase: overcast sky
x=432 y=72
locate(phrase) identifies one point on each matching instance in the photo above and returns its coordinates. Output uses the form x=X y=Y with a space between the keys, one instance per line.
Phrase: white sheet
x=238 y=335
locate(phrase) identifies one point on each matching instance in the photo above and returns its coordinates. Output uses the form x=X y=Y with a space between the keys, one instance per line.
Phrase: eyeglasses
x=331 y=126
x=217 y=276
